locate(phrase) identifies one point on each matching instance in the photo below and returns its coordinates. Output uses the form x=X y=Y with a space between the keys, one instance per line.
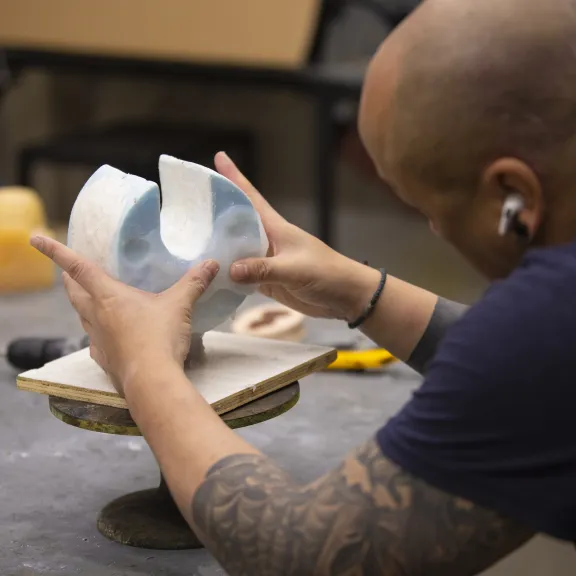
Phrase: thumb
x=195 y=282
x=257 y=271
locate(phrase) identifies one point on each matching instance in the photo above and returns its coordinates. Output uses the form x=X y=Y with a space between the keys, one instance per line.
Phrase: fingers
x=81 y=301
x=79 y=298
x=226 y=167
x=256 y=271
x=94 y=280
x=195 y=282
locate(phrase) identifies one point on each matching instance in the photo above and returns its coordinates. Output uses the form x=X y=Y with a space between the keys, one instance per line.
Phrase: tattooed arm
x=367 y=517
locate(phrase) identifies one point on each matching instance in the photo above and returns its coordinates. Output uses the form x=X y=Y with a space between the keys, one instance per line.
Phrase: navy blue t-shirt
x=495 y=419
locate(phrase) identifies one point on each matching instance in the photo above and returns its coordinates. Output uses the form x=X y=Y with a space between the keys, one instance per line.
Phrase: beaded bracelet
x=370 y=308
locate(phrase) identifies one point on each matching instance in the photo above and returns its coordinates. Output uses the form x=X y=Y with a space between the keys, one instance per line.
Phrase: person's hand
x=300 y=271
x=130 y=331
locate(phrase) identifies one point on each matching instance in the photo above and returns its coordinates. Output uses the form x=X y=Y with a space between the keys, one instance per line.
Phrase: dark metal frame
x=331 y=11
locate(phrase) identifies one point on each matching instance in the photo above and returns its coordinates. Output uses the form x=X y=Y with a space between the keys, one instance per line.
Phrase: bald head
x=479 y=96
x=464 y=82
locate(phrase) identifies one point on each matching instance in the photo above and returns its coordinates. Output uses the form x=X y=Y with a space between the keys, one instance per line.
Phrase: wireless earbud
x=513 y=205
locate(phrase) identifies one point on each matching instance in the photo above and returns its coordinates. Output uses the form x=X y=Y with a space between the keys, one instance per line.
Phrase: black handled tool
x=31 y=353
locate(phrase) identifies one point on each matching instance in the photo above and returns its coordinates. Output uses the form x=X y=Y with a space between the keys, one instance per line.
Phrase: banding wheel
x=150 y=518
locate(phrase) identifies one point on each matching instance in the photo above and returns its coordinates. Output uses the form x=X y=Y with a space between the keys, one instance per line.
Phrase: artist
x=469 y=112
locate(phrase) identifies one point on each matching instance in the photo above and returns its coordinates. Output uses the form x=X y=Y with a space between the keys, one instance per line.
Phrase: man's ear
x=516 y=189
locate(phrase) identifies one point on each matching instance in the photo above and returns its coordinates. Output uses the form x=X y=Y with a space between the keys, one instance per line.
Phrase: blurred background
x=62 y=94
x=276 y=85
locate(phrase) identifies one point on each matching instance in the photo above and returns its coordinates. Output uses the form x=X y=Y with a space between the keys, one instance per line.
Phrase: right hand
x=299 y=270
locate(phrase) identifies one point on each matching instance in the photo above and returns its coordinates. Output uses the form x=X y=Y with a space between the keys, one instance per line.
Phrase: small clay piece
x=267 y=318
x=274 y=321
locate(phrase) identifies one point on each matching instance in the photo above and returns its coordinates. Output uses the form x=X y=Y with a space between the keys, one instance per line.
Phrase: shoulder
x=528 y=319
x=543 y=284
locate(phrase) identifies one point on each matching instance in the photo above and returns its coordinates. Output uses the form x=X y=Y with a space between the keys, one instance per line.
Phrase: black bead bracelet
x=370 y=308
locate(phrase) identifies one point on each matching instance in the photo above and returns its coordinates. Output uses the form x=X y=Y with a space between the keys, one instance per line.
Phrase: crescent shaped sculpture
x=149 y=240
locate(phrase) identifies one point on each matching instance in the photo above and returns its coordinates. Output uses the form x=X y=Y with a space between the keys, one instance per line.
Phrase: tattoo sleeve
x=445 y=314
x=367 y=517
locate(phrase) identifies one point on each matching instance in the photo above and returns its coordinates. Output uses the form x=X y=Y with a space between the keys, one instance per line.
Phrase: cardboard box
x=265 y=33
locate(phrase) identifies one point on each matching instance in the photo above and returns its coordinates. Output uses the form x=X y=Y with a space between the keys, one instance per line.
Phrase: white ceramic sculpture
x=119 y=222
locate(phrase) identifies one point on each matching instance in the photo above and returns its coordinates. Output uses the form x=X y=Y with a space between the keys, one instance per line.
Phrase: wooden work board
x=237 y=370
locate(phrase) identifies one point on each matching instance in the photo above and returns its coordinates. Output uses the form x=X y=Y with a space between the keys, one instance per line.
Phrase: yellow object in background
x=359 y=360
x=22 y=268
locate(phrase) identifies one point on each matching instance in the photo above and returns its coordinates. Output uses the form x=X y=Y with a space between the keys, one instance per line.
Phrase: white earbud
x=513 y=205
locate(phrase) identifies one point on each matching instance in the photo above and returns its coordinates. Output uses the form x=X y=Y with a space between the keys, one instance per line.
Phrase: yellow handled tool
x=360 y=360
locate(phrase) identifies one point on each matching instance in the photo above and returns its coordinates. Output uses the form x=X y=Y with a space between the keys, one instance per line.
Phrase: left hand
x=130 y=331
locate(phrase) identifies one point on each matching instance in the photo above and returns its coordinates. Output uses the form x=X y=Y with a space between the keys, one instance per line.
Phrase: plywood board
x=241 y=32
x=238 y=369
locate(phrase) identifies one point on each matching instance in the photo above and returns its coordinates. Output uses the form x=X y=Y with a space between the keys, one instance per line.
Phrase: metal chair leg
x=326 y=162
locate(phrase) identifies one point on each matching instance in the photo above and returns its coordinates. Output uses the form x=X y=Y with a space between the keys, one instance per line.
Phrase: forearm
x=185 y=434
x=245 y=509
x=400 y=317
x=408 y=321
x=367 y=516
